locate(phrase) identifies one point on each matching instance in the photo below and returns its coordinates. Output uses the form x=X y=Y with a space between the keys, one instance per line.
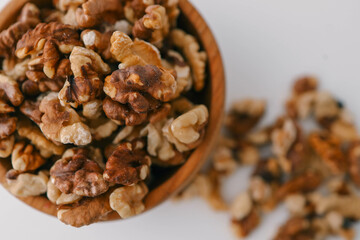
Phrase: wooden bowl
x=213 y=96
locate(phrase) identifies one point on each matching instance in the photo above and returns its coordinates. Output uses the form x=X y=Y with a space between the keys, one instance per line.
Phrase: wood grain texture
x=213 y=97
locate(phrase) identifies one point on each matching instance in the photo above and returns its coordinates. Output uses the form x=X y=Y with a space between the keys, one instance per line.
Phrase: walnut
x=344 y=128
x=15 y=68
x=6 y=146
x=268 y=170
x=52 y=38
x=7 y=125
x=26 y=184
x=154 y=26
x=65 y=5
x=244 y=115
x=43 y=83
x=247 y=153
x=37 y=138
x=85 y=212
x=326 y=108
x=186 y=131
x=173 y=60
x=127 y=201
x=134 y=10
x=260 y=137
x=59 y=198
x=223 y=160
x=11 y=90
x=128 y=85
x=296 y=204
x=128 y=164
x=158 y=146
x=328 y=148
x=30 y=14
x=245 y=226
x=306 y=182
x=31 y=110
x=208 y=187
x=95 y=11
x=5 y=108
x=98 y=42
x=121 y=25
x=62 y=124
x=86 y=85
x=76 y=172
x=295 y=228
x=10 y=36
x=123 y=134
x=354 y=162
x=131 y=53
x=348 y=205
x=103 y=128
x=241 y=206
x=181 y=105
x=305 y=84
x=196 y=58
x=25 y=157
x=260 y=191
x=92 y=109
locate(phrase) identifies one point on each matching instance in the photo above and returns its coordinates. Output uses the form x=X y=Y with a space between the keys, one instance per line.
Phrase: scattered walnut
x=295 y=228
x=296 y=203
x=241 y=207
x=306 y=182
x=196 y=58
x=62 y=124
x=76 y=172
x=31 y=110
x=37 y=138
x=6 y=146
x=208 y=187
x=328 y=147
x=25 y=157
x=245 y=226
x=260 y=191
x=97 y=41
x=247 y=153
x=131 y=53
x=26 y=184
x=154 y=26
x=94 y=12
x=354 y=162
x=85 y=212
x=223 y=160
x=186 y=131
x=326 y=108
x=51 y=38
x=128 y=164
x=87 y=67
x=244 y=115
x=134 y=10
x=11 y=90
x=127 y=201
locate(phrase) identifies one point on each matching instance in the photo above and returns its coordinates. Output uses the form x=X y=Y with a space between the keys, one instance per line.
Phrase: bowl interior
x=168 y=180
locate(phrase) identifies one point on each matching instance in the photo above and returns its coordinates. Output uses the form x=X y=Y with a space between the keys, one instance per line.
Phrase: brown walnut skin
x=31 y=110
x=10 y=36
x=125 y=164
x=354 y=162
x=78 y=174
x=7 y=125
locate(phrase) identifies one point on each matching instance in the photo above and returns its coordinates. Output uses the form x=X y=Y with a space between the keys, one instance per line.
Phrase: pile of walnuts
x=92 y=93
x=309 y=159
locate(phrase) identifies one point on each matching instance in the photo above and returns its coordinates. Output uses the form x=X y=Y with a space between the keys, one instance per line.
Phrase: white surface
x=265 y=45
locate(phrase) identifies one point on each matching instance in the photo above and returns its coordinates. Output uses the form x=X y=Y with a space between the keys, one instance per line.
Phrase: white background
x=265 y=45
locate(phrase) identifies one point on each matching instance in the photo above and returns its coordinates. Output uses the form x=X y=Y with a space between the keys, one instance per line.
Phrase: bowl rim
x=189 y=169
